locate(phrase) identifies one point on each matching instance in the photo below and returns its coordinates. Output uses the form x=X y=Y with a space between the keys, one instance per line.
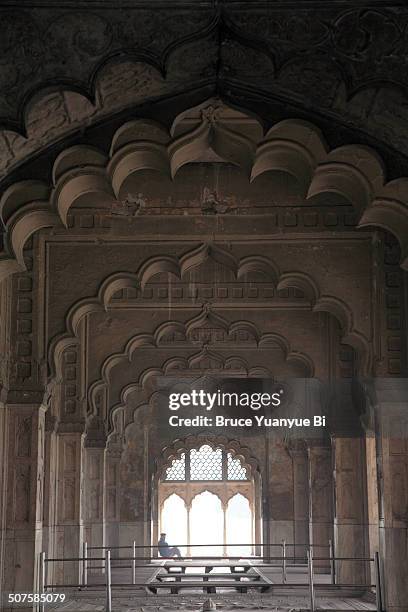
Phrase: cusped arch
x=195 y=441
x=177 y=266
x=143 y=341
x=204 y=252
x=146 y=382
x=84 y=175
x=319 y=303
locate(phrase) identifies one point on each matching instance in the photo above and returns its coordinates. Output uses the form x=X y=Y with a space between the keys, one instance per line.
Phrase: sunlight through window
x=239 y=525
x=174 y=521
x=207 y=523
x=193 y=489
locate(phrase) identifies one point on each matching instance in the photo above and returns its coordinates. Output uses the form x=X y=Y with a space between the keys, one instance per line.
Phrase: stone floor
x=131 y=602
x=283 y=598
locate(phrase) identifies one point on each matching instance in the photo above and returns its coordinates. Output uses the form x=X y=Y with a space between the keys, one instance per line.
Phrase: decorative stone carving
x=70 y=384
x=235 y=34
x=351 y=175
x=22 y=493
x=23 y=437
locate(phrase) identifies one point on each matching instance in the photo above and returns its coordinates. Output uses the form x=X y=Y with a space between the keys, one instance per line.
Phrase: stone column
x=394 y=523
x=25 y=468
x=69 y=527
x=224 y=528
x=350 y=506
x=372 y=499
x=301 y=502
x=94 y=498
x=188 y=509
x=112 y=501
x=50 y=492
x=392 y=458
x=320 y=503
x=4 y=447
x=280 y=495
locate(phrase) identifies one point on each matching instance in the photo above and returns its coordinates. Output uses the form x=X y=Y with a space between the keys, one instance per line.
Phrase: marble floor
x=127 y=602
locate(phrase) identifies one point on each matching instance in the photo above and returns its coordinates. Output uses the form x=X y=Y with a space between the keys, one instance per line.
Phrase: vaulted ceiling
x=64 y=69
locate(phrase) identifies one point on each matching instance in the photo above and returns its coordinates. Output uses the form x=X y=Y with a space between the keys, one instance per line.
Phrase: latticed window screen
x=177 y=470
x=236 y=471
x=206 y=463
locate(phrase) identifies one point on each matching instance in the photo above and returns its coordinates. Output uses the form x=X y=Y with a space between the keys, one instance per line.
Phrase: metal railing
x=284 y=561
x=283 y=546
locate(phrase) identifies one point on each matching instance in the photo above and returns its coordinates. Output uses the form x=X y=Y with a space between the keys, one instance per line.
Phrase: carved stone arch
x=180 y=446
x=117 y=281
x=174 y=365
x=208 y=251
x=230 y=365
x=231 y=494
x=166 y=494
x=82 y=174
x=234 y=39
x=146 y=383
x=223 y=489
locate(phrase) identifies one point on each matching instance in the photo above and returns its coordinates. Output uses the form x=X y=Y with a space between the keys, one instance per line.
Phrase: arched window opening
x=207 y=523
x=239 y=525
x=217 y=503
x=174 y=520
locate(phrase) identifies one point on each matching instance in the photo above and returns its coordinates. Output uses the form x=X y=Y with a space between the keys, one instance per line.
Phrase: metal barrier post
x=311 y=584
x=108 y=607
x=42 y=580
x=134 y=563
x=84 y=564
x=332 y=568
x=378 y=593
x=284 y=561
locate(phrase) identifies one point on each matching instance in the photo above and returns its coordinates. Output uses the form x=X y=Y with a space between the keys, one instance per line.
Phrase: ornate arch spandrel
x=352 y=174
x=326 y=303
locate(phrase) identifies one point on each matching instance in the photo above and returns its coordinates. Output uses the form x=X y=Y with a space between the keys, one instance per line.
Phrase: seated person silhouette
x=165 y=550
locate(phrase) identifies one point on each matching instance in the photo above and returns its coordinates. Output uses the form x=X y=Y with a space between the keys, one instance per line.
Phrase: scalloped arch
x=183 y=445
x=146 y=379
x=85 y=175
x=304 y=282
x=212 y=32
x=156 y=265
x=173 y=364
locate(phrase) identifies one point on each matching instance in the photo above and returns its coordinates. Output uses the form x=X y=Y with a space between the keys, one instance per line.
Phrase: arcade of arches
x=198 y=228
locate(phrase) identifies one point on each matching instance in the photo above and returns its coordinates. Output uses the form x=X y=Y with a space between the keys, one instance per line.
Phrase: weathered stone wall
x=342 y=66
x=268 y=286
